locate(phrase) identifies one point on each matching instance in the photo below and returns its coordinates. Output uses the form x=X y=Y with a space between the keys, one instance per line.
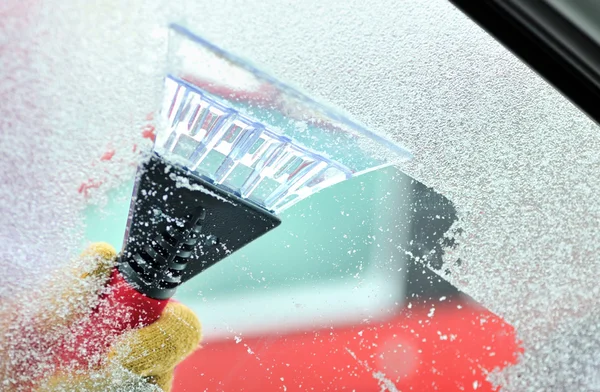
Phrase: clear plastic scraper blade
x=252 y=135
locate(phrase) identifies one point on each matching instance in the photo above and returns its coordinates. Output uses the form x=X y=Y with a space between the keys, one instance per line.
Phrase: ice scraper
x=235 y=148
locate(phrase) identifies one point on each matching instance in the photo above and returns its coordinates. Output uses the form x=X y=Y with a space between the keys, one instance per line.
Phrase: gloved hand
x=140 y=360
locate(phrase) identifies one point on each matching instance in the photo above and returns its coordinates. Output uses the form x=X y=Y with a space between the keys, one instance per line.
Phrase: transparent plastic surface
x=253 y=135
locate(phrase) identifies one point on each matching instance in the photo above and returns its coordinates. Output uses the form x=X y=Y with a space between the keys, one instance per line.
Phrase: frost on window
x=469 y=266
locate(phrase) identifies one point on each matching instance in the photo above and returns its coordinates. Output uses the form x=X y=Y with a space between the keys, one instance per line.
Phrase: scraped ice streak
x=184 y=182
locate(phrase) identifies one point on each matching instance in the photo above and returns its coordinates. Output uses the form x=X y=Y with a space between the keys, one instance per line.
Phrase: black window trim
x=548 y=42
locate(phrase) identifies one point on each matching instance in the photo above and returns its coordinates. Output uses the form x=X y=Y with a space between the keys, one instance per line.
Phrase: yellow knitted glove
x=142 y=359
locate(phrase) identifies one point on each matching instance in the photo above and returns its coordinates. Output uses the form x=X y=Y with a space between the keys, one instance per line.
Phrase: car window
x=469 y=266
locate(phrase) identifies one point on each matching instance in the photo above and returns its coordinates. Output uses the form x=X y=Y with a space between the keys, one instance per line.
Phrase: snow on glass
x=518 y=161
